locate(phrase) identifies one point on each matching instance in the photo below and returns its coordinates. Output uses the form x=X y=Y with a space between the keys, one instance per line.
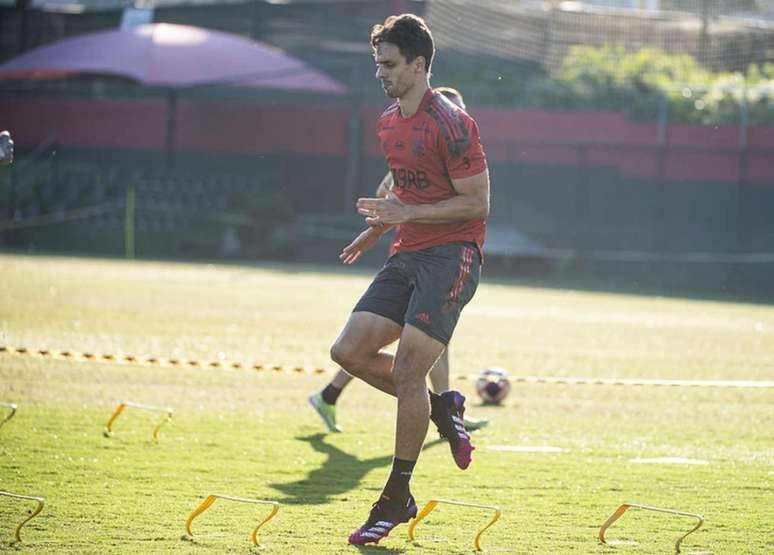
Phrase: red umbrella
x=173 y=55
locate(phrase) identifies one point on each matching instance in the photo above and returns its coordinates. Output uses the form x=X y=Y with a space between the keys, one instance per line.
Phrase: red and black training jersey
x=424 y=152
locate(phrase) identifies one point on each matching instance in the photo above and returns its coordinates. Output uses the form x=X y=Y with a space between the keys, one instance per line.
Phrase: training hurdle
x=34 y=513
x=108 y=432
x=11 y=406
x=211 y=499
x=623 y=508
x=433 y=503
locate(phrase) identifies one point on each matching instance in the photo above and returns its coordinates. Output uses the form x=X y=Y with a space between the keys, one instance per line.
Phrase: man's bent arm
x=471 y=203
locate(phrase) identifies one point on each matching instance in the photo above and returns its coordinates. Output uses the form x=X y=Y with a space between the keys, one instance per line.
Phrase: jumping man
x=439 y=200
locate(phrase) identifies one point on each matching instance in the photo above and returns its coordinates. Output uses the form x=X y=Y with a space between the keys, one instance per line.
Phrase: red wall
x=234 y=126
x=690 y=151
x=86 y=123
x=567 y=138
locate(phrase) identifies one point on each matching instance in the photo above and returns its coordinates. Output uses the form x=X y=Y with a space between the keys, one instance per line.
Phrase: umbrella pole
x=171 y=127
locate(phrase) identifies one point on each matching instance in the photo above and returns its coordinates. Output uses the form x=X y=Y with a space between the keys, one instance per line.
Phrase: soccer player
x=324 y=401
x=6 y=149
x=439 y=201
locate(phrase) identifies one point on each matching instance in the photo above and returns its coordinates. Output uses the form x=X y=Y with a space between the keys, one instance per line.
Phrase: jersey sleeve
x=461 y=147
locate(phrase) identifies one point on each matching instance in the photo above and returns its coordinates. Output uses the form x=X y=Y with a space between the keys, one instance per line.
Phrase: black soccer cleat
x=384 y=516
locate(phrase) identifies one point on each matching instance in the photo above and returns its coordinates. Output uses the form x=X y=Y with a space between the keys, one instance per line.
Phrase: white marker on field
x=668 y=460
x=527 y=448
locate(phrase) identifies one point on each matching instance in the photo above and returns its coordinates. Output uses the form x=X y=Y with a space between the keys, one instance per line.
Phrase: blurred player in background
x=324 y=401
x=438 y=202
x=6 y=148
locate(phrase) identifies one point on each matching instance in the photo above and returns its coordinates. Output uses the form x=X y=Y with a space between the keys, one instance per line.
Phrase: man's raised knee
x=345 y=355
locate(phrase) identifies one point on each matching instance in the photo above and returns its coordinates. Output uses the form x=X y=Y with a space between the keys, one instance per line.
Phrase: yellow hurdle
x=211 y=499
x=11 y=406
x=623 y=508
x=108 y=432
x=34 y=513
x=433 y=503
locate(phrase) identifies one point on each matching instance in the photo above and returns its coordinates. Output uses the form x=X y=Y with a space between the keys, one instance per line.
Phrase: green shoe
x=327 y=412
x=473 y=424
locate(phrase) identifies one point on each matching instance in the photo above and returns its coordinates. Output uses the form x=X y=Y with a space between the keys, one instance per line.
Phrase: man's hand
x=384 y=211
x=6 y=148
x=362 y=243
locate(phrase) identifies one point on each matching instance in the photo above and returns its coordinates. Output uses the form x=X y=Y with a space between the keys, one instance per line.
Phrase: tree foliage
x=611 y=78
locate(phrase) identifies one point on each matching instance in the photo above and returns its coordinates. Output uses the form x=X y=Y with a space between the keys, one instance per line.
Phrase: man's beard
x=392 y=90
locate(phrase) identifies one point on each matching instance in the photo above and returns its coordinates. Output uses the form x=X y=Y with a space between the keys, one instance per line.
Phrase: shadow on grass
x=340 y=473
x=378 y=549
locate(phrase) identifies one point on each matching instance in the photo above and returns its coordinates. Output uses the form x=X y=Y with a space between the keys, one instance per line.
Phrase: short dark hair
x=409 y=33
x=451 y=93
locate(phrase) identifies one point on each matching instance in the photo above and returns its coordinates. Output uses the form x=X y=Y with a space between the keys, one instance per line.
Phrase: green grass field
x=252 y=434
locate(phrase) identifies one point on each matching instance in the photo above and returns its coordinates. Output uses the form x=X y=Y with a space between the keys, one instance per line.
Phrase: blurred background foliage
x=611 y=78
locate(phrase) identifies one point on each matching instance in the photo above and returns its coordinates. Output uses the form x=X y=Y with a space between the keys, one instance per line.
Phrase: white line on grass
x=527 y=448
x=668 y=460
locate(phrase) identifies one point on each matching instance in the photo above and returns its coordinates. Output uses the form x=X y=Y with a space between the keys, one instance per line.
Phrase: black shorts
x=426 y=288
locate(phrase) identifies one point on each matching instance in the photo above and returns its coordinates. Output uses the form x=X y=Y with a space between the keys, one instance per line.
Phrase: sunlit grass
x=251 y=434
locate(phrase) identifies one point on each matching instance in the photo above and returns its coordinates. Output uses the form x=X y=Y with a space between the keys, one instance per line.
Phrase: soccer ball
x=493 y=386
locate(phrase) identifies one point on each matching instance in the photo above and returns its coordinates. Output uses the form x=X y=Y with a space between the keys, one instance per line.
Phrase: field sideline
x=251 y=434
